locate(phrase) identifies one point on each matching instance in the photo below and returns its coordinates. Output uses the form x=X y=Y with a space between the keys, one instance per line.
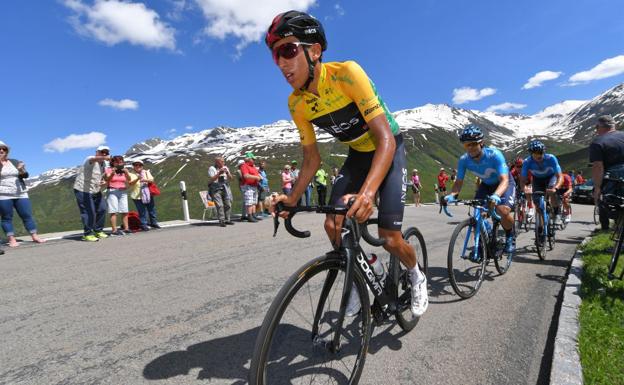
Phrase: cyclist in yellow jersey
x=340 y=99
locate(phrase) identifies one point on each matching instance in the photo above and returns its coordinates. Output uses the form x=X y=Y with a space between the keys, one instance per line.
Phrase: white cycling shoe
x=354 y=305
x=420 y=296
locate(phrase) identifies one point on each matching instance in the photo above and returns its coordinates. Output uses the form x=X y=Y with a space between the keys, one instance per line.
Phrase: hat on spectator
x=103 y=148
x=240 y=162
x=249 y=155
x=414 y=170
x=293 y=162
x=441 y=168
x=287 y=167
x=606 y=121
x=2 y=144
x=137 y=161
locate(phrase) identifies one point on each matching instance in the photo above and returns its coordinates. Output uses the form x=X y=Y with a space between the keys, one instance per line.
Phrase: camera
x=119 y=169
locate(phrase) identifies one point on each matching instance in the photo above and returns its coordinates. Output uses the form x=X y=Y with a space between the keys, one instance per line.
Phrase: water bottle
x=377 y=267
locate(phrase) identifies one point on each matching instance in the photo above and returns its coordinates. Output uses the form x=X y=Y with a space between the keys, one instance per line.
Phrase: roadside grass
x=601 y=339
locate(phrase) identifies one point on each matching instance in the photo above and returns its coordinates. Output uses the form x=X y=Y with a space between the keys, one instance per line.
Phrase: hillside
x=430 y=133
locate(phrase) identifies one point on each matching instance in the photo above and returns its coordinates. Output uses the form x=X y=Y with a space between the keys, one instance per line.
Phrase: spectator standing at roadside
x=334 y=175
x=453 y=174
x=251 y=179
x=416 y=187
x=442 y=179
x=294 y=173
x=263 y=189
x=287 y=180
x=239 y=177
x=579 y=180
x=117 y=178
x=13 y=194
x=219 y=177
x=140 y=195
x=88 y=192
x=320 y=179
x=606 y=154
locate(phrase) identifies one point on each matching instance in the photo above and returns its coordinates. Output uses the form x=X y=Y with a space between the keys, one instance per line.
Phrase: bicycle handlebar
x=476 y=203
x=363 y=227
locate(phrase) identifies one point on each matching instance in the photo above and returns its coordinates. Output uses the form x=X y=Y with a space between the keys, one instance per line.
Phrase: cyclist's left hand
x=362 y=207
x=551 y=190
x=495 y=199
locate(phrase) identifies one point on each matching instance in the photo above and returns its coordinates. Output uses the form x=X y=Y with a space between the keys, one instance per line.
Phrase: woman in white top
x=13 y=195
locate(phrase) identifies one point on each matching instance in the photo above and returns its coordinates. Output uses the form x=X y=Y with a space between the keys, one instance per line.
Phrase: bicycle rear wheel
x=403 y=285
x=502 y=260
x=466 y=260
x=294 y=342
x=552 y=229
x=596 y=215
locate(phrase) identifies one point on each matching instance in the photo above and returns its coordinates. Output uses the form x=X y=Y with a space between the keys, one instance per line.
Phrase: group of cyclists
x=340 y=98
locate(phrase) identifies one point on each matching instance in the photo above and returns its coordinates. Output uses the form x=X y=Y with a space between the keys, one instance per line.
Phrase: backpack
x=134 y=222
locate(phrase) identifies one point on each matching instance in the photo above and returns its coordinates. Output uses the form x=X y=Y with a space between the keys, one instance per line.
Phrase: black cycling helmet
x=304 y=27
x=471 y=133
x=536 y=146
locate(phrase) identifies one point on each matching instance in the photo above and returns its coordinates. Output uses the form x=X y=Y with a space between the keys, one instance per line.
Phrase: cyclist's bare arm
x=502 y=185
x=457 y=186
x=385 y=146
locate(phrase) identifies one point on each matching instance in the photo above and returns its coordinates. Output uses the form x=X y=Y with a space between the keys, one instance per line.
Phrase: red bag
x=134 y=222
x=153 y=189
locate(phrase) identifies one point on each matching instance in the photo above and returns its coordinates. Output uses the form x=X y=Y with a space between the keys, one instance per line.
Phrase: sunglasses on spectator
x=288 y=50
x=4 y=149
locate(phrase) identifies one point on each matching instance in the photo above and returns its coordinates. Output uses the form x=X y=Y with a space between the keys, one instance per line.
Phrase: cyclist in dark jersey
x=340 y=99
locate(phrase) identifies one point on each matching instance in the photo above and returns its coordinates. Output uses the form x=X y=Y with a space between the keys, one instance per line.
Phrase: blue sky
x=78 y=73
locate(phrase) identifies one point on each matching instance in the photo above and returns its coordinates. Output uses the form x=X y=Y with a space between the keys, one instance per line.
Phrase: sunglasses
x=288 y=50
x=4 y=149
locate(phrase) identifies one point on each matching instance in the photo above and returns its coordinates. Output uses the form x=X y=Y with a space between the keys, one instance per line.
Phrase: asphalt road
x=183 y=306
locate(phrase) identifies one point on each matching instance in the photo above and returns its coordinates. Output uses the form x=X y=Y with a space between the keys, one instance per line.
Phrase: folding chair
x=209 y=205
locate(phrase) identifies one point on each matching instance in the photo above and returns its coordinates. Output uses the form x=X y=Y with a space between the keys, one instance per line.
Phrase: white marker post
x=437 y=197
x=185 y=209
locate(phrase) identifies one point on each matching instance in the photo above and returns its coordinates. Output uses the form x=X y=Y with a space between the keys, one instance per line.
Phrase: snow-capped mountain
x=565 y=121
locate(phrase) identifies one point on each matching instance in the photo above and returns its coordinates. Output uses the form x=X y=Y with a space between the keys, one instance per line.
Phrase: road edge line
x=566 y=367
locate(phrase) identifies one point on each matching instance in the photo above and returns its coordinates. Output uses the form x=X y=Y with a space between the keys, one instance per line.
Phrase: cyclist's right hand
x=286 y=201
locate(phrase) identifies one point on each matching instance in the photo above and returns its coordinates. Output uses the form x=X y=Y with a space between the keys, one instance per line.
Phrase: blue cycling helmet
x=536 y=146
x=471 y=133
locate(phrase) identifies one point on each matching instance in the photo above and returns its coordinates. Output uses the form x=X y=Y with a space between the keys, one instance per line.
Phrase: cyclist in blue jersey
x=547 y=176
x=489 y=164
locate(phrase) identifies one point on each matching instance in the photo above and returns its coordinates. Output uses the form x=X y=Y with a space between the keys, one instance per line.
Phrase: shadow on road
x=229 y=357
x=534 y=260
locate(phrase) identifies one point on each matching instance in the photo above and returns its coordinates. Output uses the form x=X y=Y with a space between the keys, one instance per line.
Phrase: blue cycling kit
x=548 y=167
x=489 y=168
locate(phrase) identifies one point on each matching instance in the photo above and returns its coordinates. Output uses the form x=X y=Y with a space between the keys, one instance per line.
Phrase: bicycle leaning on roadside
x=474 y=242
x=615 y=203
x=305 y=335
x=543 y=233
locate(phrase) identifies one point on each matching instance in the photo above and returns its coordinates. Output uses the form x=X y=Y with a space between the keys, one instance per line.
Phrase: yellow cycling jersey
x=347 y=101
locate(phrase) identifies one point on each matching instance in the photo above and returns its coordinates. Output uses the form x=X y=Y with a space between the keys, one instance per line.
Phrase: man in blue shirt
x=547 y=176
x=489 y=164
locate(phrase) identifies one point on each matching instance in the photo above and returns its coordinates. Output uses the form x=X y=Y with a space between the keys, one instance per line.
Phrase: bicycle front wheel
x=596 y=215
x=552 y=230
x=466 y=260
x=502 y=259
x=402 y=283
x=540 y=237
x=294 y=343
x=617 y=248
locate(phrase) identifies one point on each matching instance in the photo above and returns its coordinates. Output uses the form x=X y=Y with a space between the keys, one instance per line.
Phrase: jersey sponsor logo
x=542 y=173
x=344 y=126
x=368 y=111
x=487 y=173
x=342 y=78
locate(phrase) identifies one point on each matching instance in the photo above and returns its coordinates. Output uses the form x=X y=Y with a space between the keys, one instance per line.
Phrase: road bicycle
x=596 y=214
x=544 y=234
x=474 y=242
x=306 y=336
x=615 y=202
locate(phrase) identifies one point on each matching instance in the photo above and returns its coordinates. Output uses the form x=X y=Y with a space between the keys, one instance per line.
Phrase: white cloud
x=123 y=104
x=188 y=127
x=75 y=141
x=607 y=68
x=113 y=22
x=505 y=107
x=339 y=10
x=467 y=94
x=245 y=20
x=539 y=78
